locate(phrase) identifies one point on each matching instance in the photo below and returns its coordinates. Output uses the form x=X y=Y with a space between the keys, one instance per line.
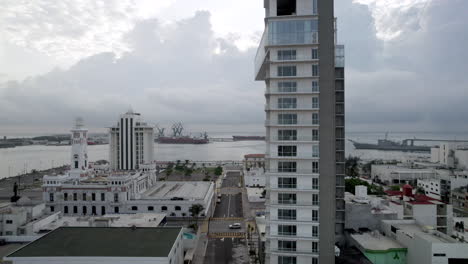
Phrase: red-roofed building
x=427 y=211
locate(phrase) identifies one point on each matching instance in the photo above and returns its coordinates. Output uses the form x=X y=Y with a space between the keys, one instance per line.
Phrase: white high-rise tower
x=131 y=142
x=79 y=150
x=303 y=71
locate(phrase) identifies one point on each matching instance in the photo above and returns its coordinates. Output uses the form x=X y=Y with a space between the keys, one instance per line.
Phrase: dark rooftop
x=103 y=242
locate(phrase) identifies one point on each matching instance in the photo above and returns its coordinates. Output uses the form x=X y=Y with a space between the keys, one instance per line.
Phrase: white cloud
x=395 y=17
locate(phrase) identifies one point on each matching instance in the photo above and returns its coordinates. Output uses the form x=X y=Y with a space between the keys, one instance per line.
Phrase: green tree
x=352 y=166
x=395 y=187
x=188 y=172
x=218 y=171
x=168 y=171
x=195 y=210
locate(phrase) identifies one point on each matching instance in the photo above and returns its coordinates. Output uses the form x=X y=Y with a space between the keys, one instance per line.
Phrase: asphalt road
x=227 y=246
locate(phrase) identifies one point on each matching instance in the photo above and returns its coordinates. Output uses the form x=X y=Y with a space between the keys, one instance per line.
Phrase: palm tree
x=195 y=211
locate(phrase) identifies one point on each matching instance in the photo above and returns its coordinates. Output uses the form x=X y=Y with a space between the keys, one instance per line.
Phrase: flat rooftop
x=110 y=220
x=376 y=242
x=186 y=190
x=413 y=229
x=102 y=242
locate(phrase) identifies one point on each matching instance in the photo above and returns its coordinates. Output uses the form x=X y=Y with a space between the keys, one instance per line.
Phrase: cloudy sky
x=192 y=61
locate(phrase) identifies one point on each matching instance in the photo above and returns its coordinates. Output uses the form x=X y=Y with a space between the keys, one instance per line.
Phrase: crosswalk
x=227 y=235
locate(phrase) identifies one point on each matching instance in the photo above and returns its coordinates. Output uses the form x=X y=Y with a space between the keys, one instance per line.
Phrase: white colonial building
x=85 y=190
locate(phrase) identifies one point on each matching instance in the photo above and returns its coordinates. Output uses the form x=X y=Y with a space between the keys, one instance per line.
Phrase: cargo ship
x=389 y=145
x=244 y=138
x=182 y=140
x=178 y=138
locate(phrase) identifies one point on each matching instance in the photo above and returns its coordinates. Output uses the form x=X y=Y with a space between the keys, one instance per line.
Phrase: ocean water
x=14 y=161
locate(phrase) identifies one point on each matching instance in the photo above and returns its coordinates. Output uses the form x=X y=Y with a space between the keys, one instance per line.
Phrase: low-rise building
x=22 y=217
x=460 y=198
x=400 y=173
x=424 y=244
x=423 y=209
x=255 y=177
x=109 y=220
x=379 y=249
x=86 y=245
x=254 y=161
x=366 y=212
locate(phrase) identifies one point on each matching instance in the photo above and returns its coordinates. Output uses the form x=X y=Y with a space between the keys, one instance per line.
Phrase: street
x=227 y=245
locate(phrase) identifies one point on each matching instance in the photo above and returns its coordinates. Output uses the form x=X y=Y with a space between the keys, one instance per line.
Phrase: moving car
x=235 y=226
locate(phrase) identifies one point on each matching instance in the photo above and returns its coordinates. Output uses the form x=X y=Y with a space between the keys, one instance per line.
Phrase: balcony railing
x=295 y=138
x=294 y=203
x=292 y=107
x=298 y=90
x=292 y=59
x=304 y=123
x=297 y=171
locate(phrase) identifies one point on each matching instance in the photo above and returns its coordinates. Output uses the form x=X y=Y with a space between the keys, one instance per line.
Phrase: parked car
x=235 y=226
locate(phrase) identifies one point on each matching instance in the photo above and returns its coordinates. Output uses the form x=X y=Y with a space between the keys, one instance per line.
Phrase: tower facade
x=304 y=131
x=79 y=149
x=131 y=142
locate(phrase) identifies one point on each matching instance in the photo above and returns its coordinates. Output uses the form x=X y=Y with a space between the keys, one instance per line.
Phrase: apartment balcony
x=287 y=252
x=294 y=91
x=292 y=172
x=297 y=156
x=294 y=203
x=293 y=59
x=294 y=139
x=292 y=108
x=339 y=56
x=293 y=189
x=298 y=237
x=292 y=124
x=261 y=58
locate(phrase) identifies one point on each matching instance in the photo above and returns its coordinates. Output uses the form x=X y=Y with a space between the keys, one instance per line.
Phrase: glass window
x=315 y=215
x=315 y=167
x=134 y=208
x=315 y=70
x=315 y=199
x=287 y=71
x=287 y=151
x=314 y=7
x=287 y=134
x=84 y=196
x=51 y=197
x=287 y=119
x=65 y=196
x=315 y=86
x=116 y=197
x=93 y=197
x=315 y=151
x=315 y=183
x=287 y=103
x=75 y=209
x=287 y=166
x=315 y=231
x=287 y=230
x=287 y=183
x=287 y=198
x=287 y=87
x=287 y=214
x=286 y=54
x=315 y=134
x=103 y=196
x=287 y=260
x=315 y=261
x=315 y=102
x=293 y=32
x=315 y=118
x=286 y=245
x=314 y=246
x=315 y=54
